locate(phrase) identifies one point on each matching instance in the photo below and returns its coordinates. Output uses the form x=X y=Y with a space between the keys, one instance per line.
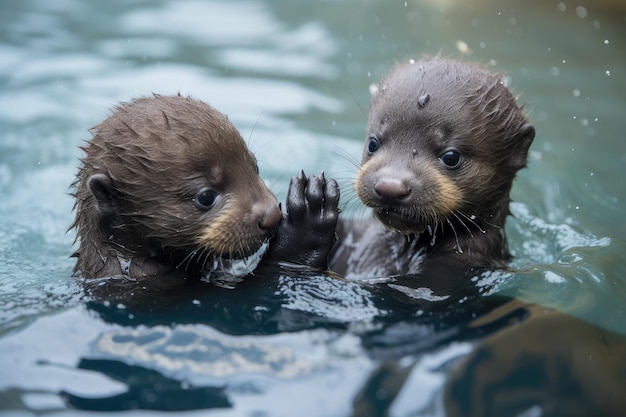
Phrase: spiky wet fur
x=453 y=218
x=158 y=152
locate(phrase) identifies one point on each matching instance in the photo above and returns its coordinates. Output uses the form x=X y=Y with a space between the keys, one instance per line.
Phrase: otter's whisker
x=471 y=220
x=244 y=247
x=434 y=234
x=491 y=224
x=454 y=213
x=353 y=163
x=190 y=259
x=187 y=259
x=456 y=236
x=207 y=254
x=251 y=144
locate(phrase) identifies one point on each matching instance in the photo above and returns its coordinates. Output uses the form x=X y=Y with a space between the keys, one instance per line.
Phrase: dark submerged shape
x=166 y=186
x=445 y=140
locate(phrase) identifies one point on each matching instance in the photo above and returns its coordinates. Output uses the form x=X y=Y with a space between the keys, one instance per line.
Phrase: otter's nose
x=392 y=189
x=269 y=219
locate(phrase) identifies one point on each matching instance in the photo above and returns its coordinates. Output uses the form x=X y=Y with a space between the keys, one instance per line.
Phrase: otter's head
x=444 y=142
x=170 y=178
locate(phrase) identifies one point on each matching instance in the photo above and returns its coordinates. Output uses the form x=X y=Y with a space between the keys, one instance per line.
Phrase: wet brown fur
x=451 y=217
x=136 y=186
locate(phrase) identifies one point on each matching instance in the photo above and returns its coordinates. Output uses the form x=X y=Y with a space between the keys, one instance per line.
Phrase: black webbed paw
x=307 y=231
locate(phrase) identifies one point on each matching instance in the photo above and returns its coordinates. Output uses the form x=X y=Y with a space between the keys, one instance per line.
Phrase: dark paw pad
x=307 y=231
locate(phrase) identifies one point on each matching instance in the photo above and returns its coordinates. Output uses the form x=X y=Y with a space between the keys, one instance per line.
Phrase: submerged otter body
x=444 y=142
x=167 y=185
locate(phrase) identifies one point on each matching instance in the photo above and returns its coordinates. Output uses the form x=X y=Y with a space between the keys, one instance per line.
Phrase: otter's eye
x=205 y=199
x=452 y=159
x=372 y=145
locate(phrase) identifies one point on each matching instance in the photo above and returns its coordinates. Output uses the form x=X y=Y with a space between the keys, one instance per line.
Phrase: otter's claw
x=307 y=231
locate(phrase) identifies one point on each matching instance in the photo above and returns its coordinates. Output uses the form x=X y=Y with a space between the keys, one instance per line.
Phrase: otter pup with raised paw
x=167 y=186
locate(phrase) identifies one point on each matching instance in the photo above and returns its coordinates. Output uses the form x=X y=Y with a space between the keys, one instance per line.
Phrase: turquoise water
x=294 y=78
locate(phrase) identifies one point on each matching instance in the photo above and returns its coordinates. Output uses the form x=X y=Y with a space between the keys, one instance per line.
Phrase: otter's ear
x=523 y=140
x=103 y=190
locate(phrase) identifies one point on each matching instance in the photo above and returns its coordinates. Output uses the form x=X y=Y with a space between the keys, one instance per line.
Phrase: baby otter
x=166 y=186
x=444 y=142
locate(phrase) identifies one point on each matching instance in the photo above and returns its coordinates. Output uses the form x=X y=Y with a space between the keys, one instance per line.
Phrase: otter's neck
x=101 y=255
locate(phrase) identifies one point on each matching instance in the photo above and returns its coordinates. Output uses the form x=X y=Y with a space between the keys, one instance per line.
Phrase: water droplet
x=554 y=71
x=483 y=45
x=581 y=12
x=423 y=100
x=606 y=41
x=463 y=47
x=576 y=92
x=561 y=6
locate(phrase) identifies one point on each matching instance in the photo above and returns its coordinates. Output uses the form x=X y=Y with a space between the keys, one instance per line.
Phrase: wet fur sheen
x=135 y=191
x=430 y=217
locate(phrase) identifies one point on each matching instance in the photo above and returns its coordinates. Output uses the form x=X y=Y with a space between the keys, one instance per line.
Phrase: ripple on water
x=331 y=299
x=545 y=243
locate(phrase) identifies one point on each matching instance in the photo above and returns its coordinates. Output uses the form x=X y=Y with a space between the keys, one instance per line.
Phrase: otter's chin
x=251 y=249
x=230 y=268
x=397 y=222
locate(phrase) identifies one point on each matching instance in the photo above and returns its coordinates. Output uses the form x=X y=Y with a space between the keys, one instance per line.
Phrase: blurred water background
x=294 y=78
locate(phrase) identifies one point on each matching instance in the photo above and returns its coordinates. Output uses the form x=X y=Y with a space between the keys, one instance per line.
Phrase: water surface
x=294 y=78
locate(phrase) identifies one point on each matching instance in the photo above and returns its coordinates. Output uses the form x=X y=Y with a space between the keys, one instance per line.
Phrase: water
x=294 y=78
